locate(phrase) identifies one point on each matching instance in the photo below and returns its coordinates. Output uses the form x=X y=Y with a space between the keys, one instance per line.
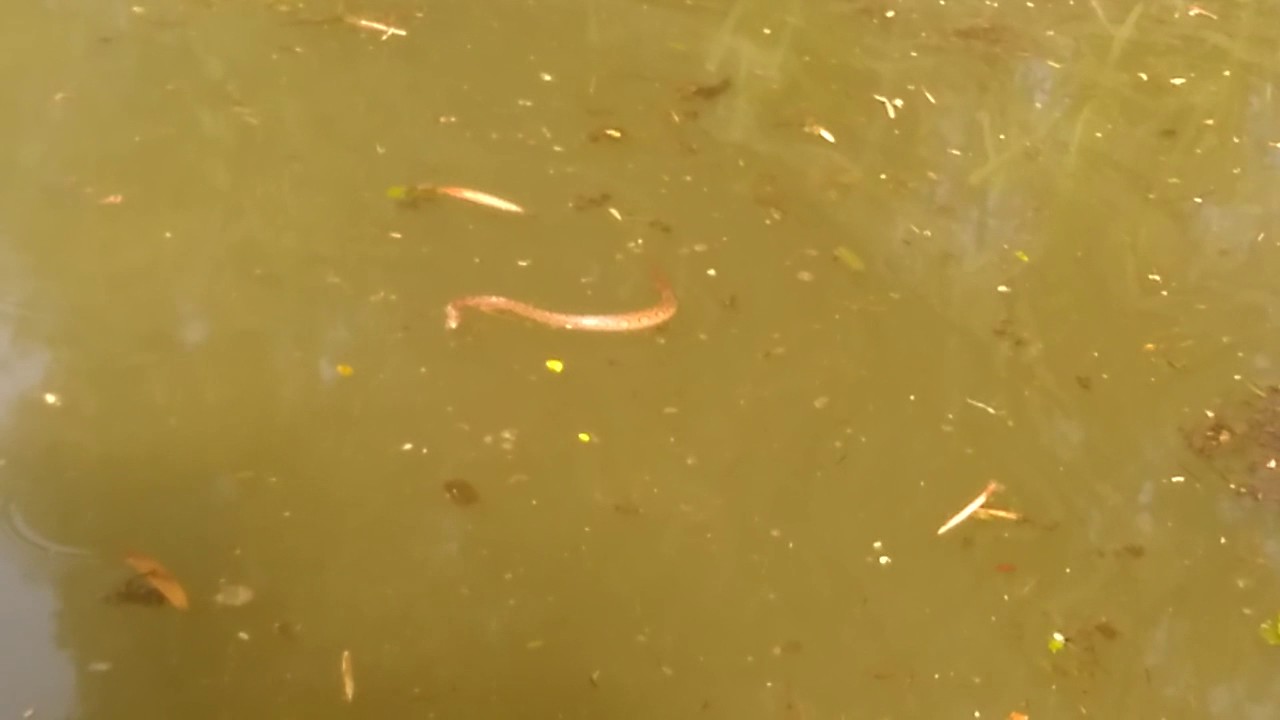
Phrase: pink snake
x=649 y=317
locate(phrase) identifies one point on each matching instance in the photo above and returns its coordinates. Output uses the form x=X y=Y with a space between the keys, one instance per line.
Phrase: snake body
x=649 y=317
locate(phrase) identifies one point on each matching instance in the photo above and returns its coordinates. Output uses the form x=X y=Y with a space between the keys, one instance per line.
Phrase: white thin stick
x=971 y=508
x=386 y=30
x=480 y=198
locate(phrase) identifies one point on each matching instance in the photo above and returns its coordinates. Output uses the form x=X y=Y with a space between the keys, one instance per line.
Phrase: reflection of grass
x=1123 y=34
x=998 y=160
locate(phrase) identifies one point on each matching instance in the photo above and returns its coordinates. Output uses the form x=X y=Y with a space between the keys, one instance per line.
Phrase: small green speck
x=1270 y=630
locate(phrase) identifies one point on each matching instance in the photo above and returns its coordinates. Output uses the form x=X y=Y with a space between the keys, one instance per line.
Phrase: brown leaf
x=159 y=577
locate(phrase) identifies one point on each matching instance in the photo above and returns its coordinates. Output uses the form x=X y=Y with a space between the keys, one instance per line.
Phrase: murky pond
x=903 y=251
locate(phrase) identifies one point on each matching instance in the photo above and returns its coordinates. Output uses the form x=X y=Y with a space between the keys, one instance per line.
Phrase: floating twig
x=386 y=30
x=474 y=196
x=998 y=514
x=348 y=677
x=992 y=488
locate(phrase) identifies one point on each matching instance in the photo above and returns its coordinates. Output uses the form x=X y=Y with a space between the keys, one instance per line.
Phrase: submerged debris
x=1242 y=443
x=708 y=91
x=461 y=492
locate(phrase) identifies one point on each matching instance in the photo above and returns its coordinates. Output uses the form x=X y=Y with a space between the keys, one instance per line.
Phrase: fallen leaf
x=159 y=577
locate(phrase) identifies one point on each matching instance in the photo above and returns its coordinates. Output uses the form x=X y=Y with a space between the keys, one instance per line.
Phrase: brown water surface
x=917 y=247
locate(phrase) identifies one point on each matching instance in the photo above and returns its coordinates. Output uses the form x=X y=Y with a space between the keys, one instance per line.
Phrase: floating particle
x=345 y=370
x=555 y=366
x=234 y=595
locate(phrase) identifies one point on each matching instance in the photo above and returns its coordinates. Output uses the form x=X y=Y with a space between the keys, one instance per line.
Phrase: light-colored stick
x=998 y=514
x=480 y=198
x=971 y=508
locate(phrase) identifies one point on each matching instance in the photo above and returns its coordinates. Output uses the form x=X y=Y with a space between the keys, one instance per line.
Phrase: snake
x=644 y=319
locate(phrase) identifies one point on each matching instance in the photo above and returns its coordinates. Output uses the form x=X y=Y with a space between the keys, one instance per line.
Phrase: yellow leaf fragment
x=555 y=366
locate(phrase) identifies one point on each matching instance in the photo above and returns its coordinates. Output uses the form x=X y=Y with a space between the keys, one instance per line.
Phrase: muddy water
x=916 y=249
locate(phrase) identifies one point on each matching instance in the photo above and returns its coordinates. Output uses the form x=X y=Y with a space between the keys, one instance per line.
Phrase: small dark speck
x=662 y=227
x=789 y=647
x=1133 y=550
x=461 y=492
x=591 y=202
x=1085 y=382
x=1107 y=630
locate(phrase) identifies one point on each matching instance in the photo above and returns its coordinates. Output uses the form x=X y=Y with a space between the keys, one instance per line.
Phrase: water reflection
x=37 y=675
